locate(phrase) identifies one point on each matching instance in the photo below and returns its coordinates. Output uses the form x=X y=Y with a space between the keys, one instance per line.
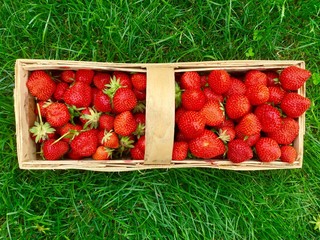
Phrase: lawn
x=158 y=204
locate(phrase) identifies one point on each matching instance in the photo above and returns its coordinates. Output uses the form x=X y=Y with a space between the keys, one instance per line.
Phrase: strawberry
x=255 y=77
x=42 y=131
x=211 y=95
x=207 y=145
x=57 y=114
x=102 y=153
x=60 y=90
x=227 y=134
x=136 y=153
x=193 y=99
x=139 y=81
x=108 y=139
x=79 y=95
x=213 y=113
x=180 y=137
x=267 y=149
x=141 y=143
x=43 y=108
x=288 y=131
x=237 y=106
x=276 y=95
x=125 y=124
x=257 y=94
x=40 y=85
x=101 y=79
x=90 y=118
x=288 y=154
x=140 y=118
x=124 y=100
x=85 y=144
x=84 y=75
x=226 y=123
x=180 y=150
x=68 y=76
x=123 y=79
x=74 y=155
x=102 y=102
x=292 y=78
x=269 y=117
x=203 y=80
x=106 y=122
x=140 y=95
x=219 y=81
x=252 y=139
x=237 y=87
x=190 y=80
x=248 y=125
x=69 y=131
x=272 y=78
x=239 y=151
x=191 y=124
x=294 y=105
x=178 y=113
x=52 y=150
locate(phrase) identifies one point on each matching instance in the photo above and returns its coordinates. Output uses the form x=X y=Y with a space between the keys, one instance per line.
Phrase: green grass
x=159 y=204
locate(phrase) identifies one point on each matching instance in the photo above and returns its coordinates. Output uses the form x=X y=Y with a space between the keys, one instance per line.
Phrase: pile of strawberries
x=87 y=113
x=239 y=116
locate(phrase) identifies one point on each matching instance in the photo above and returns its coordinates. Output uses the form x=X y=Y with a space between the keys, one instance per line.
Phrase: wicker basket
x=160 y=112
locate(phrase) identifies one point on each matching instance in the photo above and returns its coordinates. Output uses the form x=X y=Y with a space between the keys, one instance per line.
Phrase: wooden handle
x=160 y=113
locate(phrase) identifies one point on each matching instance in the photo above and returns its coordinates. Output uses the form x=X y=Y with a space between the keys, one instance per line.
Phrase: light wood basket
x=160 y=112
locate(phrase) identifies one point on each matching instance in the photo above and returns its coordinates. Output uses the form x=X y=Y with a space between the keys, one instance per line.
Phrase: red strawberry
x=255 y=77
x=40 y=85
x=85 y=144
x=292 y=78
x=102 y=153
x=60 y=90
x=272 y=78
x=68 y=76
x=288 y=154
x=276 y=95
x=193 y=99
x=74 y=155
x=211 y=95
x=237 y=87
x=180 y=150
x=239 y=151
x=141 y=143
x=139 y=81
x=57 y=114
x=123 y=78
x=69 y=131
x=191 y=124
x=140 y=95
x=106 y=122
x=79 y=95
x=227 y=134
x=180 y=137
x=226 y=123
x=90 y=118
x=203 y=80
x=252 y=139
x=213 y=113
x=190 y=80
x=237 y=106
x=125 y=124
x=178 y=113
x=108 y=139
x=102 y=102
x=207 y=145
x=257 y=94
x=124 y=100
x=43 y=108
x=267 y=149
x=52 y=150
x=294 y=105
x=140 y=118
x=101 y=79
x=288 y=131
x=84 y=75
x=248 y=125
x=219 y=81
x=269 y=117
x=136 y=153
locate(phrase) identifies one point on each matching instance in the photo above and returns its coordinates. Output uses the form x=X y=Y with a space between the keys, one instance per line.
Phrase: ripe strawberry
x=180 y=150
x=141 y=143
x=101 y=79
x=226 y=123
x=255 y=77
x=108 y=139
x=139 y=81
x=102 y=153
x=85 y=144
x=69 y=131
x=227 y=134
x=203 y=80
x=272 y=78
x=257 y=94
x=191 y=124
x=43 y=108
x=294 y=105
x=57 y=114
x=211 y=95
x=248 y=125
x=267 y=149
x=219 y=81
x=207 y=145
x=140 y=118
x=190 y=80
x=90 y=118
x=237 y=106
x=79 y=95
x=52 y=150
x=193 y=99
x=124 y=100
x=84 y=75
x=288 y=131
x=178 y=113
x=180 y=137
x=106 y=122
x=125 y=124
x=102 y=102
x=68 y=76
x=136 y=153
x=239 y=151
x=40 y=85
x=74 y=155
x=269 y=117
x=60 y=90
x=276 y=95
x=123 y=79
x=140 y=95
x=237 y=87
x=288 y=154
x=213 y=113
x=252 y=139
x=292 y=78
